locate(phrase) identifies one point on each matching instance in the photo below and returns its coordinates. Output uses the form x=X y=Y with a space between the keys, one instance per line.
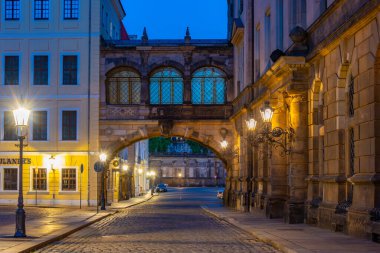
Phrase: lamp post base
x=20 y=223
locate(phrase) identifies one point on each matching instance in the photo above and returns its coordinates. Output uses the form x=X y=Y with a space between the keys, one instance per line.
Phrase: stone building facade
x=323 y=85
x=180 y=166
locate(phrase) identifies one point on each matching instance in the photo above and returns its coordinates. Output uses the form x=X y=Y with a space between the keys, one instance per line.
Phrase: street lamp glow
x=266 y=112
x=180 y=174
x=153 y=173
x=125 y=167
x=139 y=171
x=224 y=144
x=21 y=116
x=103 y=157
x=251 y=124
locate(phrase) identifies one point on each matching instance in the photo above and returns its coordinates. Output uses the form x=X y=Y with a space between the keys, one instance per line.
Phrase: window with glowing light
x=39 y=179
x=69 y=179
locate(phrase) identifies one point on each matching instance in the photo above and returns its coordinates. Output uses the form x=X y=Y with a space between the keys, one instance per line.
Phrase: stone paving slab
x=45 y=225
x=292 y=238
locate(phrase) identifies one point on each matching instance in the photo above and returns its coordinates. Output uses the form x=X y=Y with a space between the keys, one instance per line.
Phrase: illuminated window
x=208 y=86
x=166 y=87
x=39 y=179
x=69 y=179
x=124 y=87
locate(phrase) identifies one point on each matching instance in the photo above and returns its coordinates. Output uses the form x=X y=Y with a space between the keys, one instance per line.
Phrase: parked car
x=219 y=195
x=161 y=188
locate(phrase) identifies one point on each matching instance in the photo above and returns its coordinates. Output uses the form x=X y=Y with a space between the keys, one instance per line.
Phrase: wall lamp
x=277 y=137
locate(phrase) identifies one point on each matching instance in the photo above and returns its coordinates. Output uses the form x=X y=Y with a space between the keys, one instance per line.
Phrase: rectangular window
x=41 y=9
x=41 y=70
x=10 y=179
x=9 y=127
x=69 y=179
x=279 y=24
x=39 y=179
x=40 y=126
x=69 y=125
x=11 y=69
x=70 y=70
x=12 y=9
x=267 y=36
x=71 y=9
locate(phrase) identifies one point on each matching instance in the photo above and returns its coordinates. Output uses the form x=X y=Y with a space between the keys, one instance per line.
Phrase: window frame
x=2 y=170
x=71 y=10
x=42 y=10
x=32 y=180
x=13 y=18
x=34 y=67
x=77 y=70
x=5 y=69
x=111 y=77
x=47 y=124
x=61 y=190
x=61 y=124
x=172 y=93
x=214 y=88
x=3 y=127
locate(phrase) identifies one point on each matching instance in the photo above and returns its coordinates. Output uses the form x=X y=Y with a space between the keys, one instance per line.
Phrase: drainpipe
x=88 y=102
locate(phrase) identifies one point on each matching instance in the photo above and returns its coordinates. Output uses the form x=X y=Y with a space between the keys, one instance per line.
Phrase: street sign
x=99 y=167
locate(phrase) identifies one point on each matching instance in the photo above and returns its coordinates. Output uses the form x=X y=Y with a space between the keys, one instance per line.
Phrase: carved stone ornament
x=108 y=131
x=166 y=127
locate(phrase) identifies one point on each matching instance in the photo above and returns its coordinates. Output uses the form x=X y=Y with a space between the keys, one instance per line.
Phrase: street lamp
x=21 y=116
x=103 y=159
x=276 y=137
x=52 y=162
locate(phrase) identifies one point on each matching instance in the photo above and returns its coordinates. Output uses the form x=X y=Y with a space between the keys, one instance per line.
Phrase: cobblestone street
x=171 y=222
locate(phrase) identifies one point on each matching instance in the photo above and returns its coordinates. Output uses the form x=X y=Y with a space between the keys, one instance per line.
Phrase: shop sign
x=15 y=161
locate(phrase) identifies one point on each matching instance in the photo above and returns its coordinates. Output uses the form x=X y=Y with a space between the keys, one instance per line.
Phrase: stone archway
x=116 y=135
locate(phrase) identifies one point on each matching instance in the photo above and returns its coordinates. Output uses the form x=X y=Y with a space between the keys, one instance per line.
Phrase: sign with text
x=15 y=161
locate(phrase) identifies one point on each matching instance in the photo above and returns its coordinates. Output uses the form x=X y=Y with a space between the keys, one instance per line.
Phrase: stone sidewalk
x=291 y=238
x=55 y=225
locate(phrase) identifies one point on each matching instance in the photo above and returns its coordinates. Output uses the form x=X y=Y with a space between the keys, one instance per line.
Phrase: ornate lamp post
x=103 y=159
x=21 y=116
x=276 y=137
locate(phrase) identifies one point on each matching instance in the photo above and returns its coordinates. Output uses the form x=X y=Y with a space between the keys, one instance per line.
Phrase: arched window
x=166 y=87
x=124 y=87
x=208 y=86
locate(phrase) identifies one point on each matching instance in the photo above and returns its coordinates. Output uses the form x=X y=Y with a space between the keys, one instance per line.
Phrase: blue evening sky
x=168 y=19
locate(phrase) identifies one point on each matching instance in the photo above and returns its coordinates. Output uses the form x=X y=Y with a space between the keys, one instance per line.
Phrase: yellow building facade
x=49 y=64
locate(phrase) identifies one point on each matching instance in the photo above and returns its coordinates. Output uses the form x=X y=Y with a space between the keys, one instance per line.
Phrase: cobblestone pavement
x=171 y=222
x=7 y=213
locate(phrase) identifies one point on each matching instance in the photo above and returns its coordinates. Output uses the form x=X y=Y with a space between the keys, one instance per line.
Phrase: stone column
x=277 y=168
x=145 y=89
x=298 y=160
x=187 y=90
